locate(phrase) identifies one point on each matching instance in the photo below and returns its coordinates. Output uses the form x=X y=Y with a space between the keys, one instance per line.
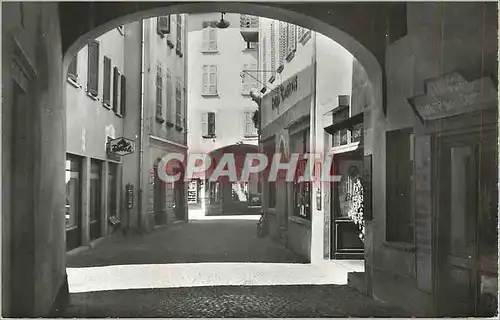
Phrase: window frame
x=106 y=85
x=207 y=92
x=73 y=69
x=207 y=40
x=159 y=94
x=161 y=29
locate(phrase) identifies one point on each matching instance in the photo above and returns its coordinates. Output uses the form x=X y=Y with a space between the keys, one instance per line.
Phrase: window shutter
x=116 y=80
x=211 y=123
x=213 y=79
x=168 y=102
x=212 y=39
x=123 y=95
x=178 y=114
x=292 y=38
x=205 y=79
x=273 y=48
x=159 y=86
x=72 y=69
x=244 y=79
x=282 y=42
x=206 y=39
x=204 y=124
x=179 y=33
x=106 y=95
x=93 y=68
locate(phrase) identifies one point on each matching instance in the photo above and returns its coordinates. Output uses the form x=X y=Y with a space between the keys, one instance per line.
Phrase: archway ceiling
x=373 y=25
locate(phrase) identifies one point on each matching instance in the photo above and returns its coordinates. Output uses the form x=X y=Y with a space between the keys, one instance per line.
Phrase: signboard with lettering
x=451 y=95
x=121 y=146
x=284 y=91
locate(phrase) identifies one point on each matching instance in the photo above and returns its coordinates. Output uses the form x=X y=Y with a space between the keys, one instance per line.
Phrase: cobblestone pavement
x=231 y=301
x=196 y=241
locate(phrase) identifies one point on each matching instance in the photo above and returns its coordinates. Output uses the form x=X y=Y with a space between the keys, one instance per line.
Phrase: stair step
x=356 y=280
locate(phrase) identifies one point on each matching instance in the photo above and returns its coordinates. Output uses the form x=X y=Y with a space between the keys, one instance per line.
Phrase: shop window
x=106 y=94
x=73 y=180
x=95 y=199
x=301 y=190
x=93 y=68
x=399 y=177
x=112 y=189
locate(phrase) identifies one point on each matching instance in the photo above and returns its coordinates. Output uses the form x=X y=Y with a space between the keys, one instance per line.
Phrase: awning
x=346 y=123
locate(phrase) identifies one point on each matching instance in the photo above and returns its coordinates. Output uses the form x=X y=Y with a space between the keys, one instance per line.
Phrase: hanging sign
x=121 y=146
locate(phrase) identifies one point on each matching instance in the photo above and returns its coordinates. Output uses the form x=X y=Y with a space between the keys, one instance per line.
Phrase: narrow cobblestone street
x=200 y=269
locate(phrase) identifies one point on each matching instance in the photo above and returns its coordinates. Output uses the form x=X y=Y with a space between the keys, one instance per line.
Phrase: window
x=249 y=77
x=179 y=39
x=210 y=39
x=73 y=169
x=168 y=103
x=73 y=68
x=250 y=129
x=112 y=185
x=123 y=96
x=399 y=177
x=208 y=125
x=301 y=190
x=252 y=45
x=106 y=94
x=178 y=105
x=270 y=149
x=116 y=90
x=159 y=94
x=93 y=68
x=163 y=25
x=210 y=79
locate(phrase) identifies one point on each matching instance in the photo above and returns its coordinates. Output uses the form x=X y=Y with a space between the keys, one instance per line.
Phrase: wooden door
x=457 y=182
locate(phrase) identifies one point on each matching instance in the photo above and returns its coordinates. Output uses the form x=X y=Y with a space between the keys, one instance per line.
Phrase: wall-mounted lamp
x=222 y=24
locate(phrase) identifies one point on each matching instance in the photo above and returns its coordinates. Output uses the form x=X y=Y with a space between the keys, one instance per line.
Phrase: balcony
x=249 y=28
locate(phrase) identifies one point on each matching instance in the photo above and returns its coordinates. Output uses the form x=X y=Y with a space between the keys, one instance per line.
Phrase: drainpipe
x=141 y=133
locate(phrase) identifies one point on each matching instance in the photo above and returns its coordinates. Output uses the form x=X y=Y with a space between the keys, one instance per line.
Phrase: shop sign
x=285 y=90
x=130 y=196
x=121 y=146
x=452 y=95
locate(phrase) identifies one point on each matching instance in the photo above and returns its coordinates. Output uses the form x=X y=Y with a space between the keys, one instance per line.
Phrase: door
x=73 y=191
x=458 y=180
x=95 y=199
x=346 y=242
x=160 y=213
x=180 y=200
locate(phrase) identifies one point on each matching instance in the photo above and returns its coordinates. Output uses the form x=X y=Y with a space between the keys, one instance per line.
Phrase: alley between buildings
x=209 y=267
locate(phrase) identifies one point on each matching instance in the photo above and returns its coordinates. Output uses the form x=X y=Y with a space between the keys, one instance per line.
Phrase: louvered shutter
x=93 y=68
x=282 y=42
x=123 y=94
x=72 y=69
x=206 y=39
x=204 y=124
x=106 y=95
x=205 y=79
x=168 y=101
x=244 y=79
x=116 y=81
x=179 y=33
x=178 y=114
x=163 y=25
x=292 y=38
x=273 y=48
x=213 y=80
x=212 y=39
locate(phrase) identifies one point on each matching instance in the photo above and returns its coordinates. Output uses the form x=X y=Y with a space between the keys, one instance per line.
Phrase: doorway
x=346 y=243
x=95 y=199
x=467 y=218
x=160 y=214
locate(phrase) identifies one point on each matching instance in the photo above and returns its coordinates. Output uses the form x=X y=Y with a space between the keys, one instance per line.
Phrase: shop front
x=346 y=151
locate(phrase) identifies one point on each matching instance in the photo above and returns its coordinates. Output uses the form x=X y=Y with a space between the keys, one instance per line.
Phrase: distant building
x=222 y=69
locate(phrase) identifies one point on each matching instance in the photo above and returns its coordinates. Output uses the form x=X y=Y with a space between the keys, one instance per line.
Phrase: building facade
x=96 y=105
x=222 y=70
x=296 y=95
x=165 y=129
x=118 y=88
